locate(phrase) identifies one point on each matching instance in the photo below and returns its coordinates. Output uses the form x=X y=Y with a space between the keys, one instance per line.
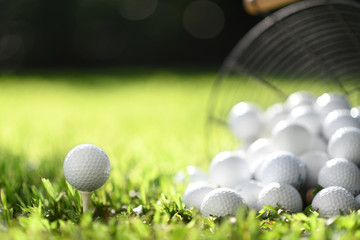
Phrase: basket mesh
x=311 y=45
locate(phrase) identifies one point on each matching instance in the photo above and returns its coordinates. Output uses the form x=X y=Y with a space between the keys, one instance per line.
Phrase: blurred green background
x=38 y=33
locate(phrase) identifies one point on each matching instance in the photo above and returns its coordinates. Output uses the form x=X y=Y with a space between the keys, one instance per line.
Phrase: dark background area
x=52 y=33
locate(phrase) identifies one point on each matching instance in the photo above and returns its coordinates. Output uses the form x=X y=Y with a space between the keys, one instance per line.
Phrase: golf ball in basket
x=256 y=152
x=319 y=143
x=292 y=137
x=314 y=161
x=246 y=120
x=357 y=198
x=283 y=167
x=86 y=167
x=228 y=169
x=274 y=114
x=307 y=116
x=221 y=202
x=249 y=191
x=299 y=99
x=282 y=195
x=331 y=201
x=355 y=112
x=340 y=172
x=345 y=143
x=196 y=174
x=328 y=102
x=195 y=193
x=338 y=119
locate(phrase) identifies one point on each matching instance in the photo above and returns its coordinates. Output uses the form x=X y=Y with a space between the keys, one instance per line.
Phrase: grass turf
x=151 y=124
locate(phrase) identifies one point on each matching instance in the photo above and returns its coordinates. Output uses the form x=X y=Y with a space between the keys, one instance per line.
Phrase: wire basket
x=311 y=45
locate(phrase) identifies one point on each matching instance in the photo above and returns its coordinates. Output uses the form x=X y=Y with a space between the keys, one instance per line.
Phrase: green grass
x=151 y=123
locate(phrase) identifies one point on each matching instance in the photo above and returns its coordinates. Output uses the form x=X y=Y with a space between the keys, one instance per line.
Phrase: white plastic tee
x=86 y=197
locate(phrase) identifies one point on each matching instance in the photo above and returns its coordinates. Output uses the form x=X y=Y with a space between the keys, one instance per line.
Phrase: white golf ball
x=338 y=119
x=314 y=161
x=307 y=116
x=228 y=169
x=195 y=193
x=86 y=167
x=283 y=167
x=221 y=202
x=355 y=112
x=331 y=201
x=259 y=147
x=282 y=195
x=273 y=115
x=196 y=174
x=340 y=172
x=357 y=198
x=257 y=150
x=345 y=143
x=299 y=99
x=292 y=137
x=331 y=101
x=246 y=120
x=249 y=191
x=319 y=143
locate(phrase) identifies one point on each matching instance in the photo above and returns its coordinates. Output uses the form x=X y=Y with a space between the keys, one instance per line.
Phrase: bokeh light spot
x=204 y=19
x=137 y=9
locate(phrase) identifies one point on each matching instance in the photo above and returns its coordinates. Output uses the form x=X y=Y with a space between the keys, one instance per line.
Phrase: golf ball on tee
x=86 y=167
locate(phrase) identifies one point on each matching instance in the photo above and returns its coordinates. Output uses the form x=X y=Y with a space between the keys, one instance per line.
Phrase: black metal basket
x=308 y=45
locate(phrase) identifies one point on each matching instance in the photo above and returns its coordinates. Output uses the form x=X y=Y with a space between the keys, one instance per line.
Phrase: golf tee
x=85 y=196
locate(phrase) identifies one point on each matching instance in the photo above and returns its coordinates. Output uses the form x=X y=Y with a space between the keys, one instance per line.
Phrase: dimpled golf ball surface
x=195 y=193
x=340 y=172
x=283 y=167
x=300 y=98
x=221 y=202
x=274 y=114
x=246 y=120
x=228 y=169
x=328 y=102
x=338 y=119
x=332 y=201
x=314 y=161
x=292 y=137
x=283 y=195
x=249 y=191
x=357 y=198
x=307 y=116
x=86 y=167
x=345 y=143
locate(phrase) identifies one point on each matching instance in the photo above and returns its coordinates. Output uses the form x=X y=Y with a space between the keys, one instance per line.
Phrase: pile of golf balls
x=288 y=150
